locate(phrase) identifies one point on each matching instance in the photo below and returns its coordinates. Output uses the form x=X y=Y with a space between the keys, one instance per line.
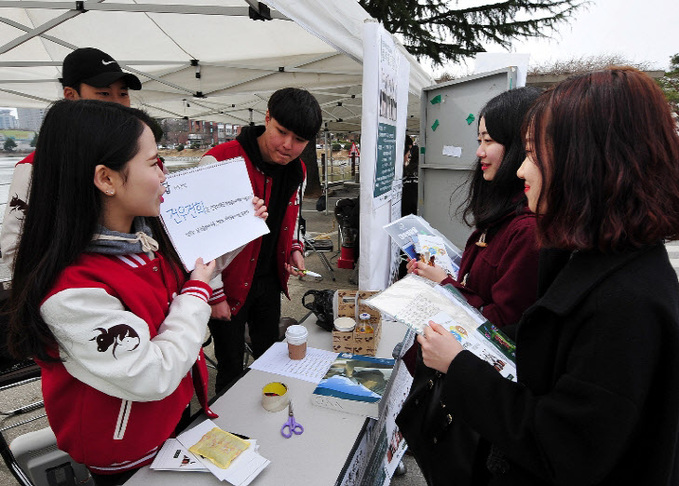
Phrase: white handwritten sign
x=208 y=211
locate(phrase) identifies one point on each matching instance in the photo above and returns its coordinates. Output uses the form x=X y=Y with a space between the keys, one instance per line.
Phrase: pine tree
x=9 y=145
x=436 y=30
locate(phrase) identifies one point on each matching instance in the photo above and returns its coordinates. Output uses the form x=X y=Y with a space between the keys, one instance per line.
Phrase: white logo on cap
x=106 y=63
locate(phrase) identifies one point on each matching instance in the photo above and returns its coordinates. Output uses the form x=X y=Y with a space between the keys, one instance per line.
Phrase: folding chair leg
x=12 y=464
x=323 y=258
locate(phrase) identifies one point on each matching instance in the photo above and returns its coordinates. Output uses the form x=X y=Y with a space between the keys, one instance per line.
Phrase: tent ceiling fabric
x=202 y=59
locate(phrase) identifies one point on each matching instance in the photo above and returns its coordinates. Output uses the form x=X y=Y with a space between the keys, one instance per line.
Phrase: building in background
x=7 y=120
x=198 y=133
x=206 y=134
x=30 y=118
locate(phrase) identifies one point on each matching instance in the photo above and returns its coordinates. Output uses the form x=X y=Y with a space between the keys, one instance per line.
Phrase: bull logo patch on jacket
x=18 y=204
x=120 y=336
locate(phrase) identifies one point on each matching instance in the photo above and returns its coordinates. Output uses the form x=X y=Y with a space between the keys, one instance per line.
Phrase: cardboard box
x=359 y=341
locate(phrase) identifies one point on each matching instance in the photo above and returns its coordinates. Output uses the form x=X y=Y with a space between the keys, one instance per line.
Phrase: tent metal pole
x=139 y=7
x=327 y=174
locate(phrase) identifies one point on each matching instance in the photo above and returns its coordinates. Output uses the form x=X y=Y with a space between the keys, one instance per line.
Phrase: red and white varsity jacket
x=131 y=355
x=17 y=202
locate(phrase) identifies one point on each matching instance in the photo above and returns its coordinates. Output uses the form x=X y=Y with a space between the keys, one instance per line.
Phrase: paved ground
x=319 y=226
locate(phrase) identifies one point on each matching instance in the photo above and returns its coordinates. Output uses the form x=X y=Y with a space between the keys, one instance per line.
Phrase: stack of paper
x=175 y=456
x=312 y=368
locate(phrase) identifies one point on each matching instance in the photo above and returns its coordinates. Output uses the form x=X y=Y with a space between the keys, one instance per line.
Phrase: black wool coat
x=597 y=398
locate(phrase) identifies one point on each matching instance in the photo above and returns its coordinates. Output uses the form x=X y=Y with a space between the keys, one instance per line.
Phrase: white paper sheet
x=452 y=151
x=417 y=302
x=173 y=456
x=312 y=368
x=242 y=469
x=208 y=212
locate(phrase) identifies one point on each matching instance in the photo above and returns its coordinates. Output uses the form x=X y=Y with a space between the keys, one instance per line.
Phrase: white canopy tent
x=201 y=59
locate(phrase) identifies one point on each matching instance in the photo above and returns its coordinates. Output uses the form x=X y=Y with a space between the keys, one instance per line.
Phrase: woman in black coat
x=597 y=397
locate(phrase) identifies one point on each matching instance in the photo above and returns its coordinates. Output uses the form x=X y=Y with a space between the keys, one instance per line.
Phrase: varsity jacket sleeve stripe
x=197 y=289
x=216 y=283
x=134 y=366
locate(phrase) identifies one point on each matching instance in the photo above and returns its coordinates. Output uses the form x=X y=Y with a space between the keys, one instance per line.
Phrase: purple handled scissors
x=291 y=427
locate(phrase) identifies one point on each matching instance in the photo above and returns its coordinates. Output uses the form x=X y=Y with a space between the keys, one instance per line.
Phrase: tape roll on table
x=275 y=396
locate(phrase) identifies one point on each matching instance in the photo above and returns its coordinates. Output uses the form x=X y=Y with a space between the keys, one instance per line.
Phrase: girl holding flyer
x=99 y=300
x=498 y=276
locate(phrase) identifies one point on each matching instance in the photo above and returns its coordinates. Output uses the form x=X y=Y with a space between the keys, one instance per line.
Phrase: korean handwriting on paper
x=193 y=210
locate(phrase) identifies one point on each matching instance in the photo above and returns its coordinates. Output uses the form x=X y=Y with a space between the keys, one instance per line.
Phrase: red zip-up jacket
x=238 y=275
x=130 y=357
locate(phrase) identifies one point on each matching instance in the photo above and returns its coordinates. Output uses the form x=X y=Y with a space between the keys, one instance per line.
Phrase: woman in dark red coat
x=498 y=275
x=498 y=271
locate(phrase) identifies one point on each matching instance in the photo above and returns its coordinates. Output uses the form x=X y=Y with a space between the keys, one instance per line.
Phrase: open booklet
x=417 y=301
x=415 y=236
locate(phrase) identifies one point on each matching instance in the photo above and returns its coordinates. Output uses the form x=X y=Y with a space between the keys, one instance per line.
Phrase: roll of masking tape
x=275 y=396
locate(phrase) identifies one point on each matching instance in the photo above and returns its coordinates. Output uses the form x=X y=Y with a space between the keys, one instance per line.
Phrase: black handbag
x=445 y=448
x=321 y=306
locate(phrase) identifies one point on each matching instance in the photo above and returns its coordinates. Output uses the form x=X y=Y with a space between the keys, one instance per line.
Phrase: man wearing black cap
x=88 y=74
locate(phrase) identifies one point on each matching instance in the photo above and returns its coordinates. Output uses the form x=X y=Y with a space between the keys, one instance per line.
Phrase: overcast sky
x=638 y=30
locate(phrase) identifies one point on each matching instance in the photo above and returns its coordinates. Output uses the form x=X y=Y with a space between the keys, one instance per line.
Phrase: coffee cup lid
x=296 y=334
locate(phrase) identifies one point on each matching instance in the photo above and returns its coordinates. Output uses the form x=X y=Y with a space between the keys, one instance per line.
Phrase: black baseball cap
x=96 y=68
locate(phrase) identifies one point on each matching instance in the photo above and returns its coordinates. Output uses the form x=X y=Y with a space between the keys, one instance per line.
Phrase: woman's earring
x=109 y=192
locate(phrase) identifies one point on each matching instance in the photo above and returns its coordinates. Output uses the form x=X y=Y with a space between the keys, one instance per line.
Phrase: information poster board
x=385 y=167
x=383 y=124
x=208 y=211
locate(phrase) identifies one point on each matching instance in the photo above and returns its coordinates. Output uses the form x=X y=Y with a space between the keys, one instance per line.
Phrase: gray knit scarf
x=114 y=243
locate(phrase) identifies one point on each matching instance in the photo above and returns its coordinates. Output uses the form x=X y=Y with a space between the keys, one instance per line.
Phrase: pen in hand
x=307 y=272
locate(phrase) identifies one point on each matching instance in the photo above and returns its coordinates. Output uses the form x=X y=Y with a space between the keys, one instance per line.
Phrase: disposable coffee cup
x=296 y=336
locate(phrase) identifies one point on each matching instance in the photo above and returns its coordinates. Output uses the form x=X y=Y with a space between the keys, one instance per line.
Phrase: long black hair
x=489 y=201
x=65 y=206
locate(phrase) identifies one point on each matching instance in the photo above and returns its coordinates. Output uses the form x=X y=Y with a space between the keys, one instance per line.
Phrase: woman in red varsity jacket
x=103 y=307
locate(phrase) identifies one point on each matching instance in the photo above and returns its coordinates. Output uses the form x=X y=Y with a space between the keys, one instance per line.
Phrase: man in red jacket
x=253 y=281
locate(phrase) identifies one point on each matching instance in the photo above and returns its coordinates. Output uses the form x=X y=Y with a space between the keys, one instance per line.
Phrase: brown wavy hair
x=608 y=150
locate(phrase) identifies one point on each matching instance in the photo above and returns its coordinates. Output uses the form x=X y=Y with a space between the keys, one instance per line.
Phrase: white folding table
x=317 y=456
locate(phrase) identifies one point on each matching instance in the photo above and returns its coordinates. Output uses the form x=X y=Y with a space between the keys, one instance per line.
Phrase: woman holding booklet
x=597 y=397
x=498 y=275
x=498 y=271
